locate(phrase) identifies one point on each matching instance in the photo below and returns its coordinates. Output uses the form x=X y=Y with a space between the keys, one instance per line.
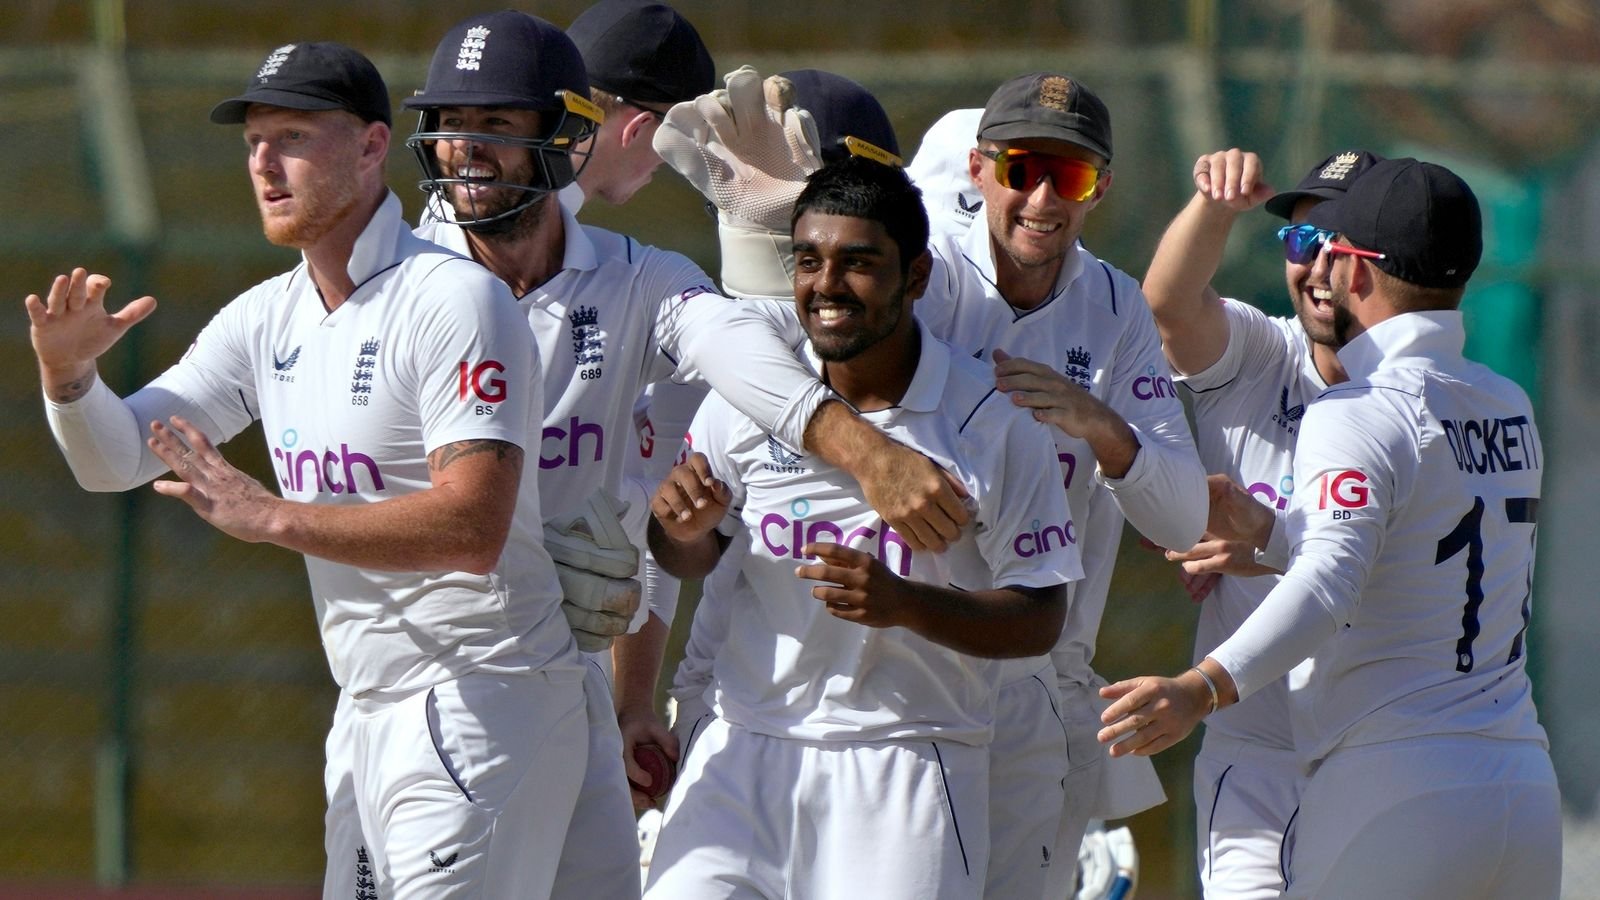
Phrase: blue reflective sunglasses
x=1302 y=243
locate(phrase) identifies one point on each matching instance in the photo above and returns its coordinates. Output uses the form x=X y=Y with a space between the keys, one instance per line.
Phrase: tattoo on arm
x=72 y=391
x=440 y=459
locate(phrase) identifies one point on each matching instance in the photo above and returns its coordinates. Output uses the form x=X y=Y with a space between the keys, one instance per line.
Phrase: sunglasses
x=1302 y=243
x=1022 y=170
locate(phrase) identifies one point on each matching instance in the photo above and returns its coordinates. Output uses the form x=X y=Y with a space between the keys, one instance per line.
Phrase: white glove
x=597 y=608
x=595 y=562
x=746 y=148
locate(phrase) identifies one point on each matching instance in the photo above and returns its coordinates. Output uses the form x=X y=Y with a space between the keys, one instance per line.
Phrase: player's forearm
x=1164 y=494
x=764 y=379
x=684 y=557
x=636 y=665
x=68 y=384
x=1187 y=310
x=1115 y=445
x=1288 y=626
x=102 y=439
x=847 y=441
x=441 y=529
x=997 y=624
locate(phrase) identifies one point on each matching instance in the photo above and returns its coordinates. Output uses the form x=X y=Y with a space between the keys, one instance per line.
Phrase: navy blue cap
x=643 y=51
x=508 y=59
x=1326 y=180
x=312 y=76
x=1422 y=217
x=843 y=109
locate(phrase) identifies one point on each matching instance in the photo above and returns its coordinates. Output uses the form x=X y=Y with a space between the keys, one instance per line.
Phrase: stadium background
x=162 y=693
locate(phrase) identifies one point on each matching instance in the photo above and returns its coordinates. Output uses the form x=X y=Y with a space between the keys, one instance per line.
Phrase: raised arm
x=1188 y=311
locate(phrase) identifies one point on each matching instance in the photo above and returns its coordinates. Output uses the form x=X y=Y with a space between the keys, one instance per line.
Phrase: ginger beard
x=300 y=209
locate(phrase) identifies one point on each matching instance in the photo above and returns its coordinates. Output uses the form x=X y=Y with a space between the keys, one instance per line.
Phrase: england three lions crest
x=1077 y=367
x=588 y=341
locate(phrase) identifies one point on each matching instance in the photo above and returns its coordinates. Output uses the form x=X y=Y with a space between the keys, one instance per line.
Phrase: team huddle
x=898 y=444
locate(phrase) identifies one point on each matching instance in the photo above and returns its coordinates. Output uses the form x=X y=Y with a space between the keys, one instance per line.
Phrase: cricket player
x=1250 y=377
x=849 y=121
x=504 y=103
x=1022 y=284
x=1412 y=538
x=848 y=756
x=396 y=387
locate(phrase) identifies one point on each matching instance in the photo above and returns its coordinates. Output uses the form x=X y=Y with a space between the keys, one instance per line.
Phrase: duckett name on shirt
x=785 y=537
x=1481 y=446
x=560 y=446
x=1037 y=539
x=308 y=471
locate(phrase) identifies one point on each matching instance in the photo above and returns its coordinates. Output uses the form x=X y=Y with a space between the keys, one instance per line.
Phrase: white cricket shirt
x=1096 y=330
x=790 y=669
x=428 y=350
x=1248 y=407
x=620 y=315
x=1412 y=530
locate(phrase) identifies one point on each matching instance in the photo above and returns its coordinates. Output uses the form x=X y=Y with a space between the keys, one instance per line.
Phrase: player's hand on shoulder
x=857 y=587
x=690 y=501
x=1234 y=178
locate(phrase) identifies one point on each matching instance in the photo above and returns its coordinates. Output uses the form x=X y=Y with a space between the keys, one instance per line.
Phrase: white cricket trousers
x=462 y=790
x=600 y=858
x=1244 y=797
x=1097 y=786
x=1027 y=774
x=1442 y=818
x=754 y=816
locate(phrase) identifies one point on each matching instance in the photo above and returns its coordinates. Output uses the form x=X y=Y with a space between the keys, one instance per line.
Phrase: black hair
x=864 y=189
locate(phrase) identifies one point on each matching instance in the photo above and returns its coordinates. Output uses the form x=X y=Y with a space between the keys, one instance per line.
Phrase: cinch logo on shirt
x=1278 y=498
x=1347 y=490
x=784 y=537
x=311 y=471
x=1151 y=386
x=1042 y=540
x=574 y=434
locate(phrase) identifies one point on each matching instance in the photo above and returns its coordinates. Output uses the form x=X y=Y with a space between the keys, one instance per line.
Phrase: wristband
x=1210 y=686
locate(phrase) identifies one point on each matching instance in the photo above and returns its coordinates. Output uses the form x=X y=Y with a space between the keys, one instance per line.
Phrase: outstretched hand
x=219 y=493
x=71 y=328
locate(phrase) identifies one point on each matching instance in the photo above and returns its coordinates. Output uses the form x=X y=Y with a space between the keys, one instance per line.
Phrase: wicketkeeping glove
x=746 y=147
x=595 y=562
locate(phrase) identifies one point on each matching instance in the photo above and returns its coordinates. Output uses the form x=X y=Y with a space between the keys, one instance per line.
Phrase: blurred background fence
x=162 y=692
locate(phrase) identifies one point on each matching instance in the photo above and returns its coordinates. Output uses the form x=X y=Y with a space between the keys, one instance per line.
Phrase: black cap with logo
x=1046 y=105
x=643 y=51
x=312 y=76
x=1326 y=180
x=1422 y=217
x=846 y=115
x=508 y=59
